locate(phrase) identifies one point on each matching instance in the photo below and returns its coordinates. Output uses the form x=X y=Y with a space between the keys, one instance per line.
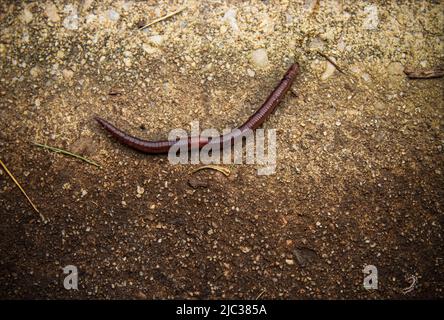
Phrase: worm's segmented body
x=163 y=146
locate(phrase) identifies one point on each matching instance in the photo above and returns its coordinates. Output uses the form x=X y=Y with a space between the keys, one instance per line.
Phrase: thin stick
x=22 y=190
x=169 y=15
x=331 y=61
x=260 y=294
x=431 y=73
x=57 y=150
x=223 y=170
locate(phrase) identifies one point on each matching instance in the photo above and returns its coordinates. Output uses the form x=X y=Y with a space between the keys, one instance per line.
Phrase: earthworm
x=253 y=122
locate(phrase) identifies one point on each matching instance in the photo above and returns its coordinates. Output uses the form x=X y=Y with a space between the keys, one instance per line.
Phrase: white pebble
x=290 y=262
x=259 y=58
x=230 y=18
x=90 y=18
x=148 y=49
x=140 y=191
x=71 y=22
x=372 y=20
x=157 y=40
x=366 y=77
x=113 y=15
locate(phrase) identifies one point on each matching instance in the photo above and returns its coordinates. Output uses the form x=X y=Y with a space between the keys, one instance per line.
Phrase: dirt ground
x=359 y=176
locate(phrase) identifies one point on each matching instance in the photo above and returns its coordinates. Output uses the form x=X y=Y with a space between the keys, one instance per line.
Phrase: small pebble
x=113 y=15
x=259 y=58
x=251 y=73
x=140 y=191
x=290 y=262
x=51 y=12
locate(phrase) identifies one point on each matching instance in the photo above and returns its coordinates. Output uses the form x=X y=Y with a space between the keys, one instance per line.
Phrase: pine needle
x=22 y=190
x=260 y=294
x=169 y=15
x=225 y=171
x=331 y=61
x=57 y=150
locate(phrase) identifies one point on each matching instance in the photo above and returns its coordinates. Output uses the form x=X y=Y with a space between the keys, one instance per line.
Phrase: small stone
x=395 y=68
x=140 y=295
x=27 y=15
x=112 y=15
x=140 y=191
x=329 y=70
x=372 y=20
x=290 y=262
x=67 y=74
x=196 y=183
x=259 y=58
x=90 y=18
x=366 y=77
x=305 y=256
x=60 y=54
x=230 y=19
x=341 y=44
x=251 y=73
x=35 y=72
x=83 y=193
x=127 y=62
x=51 y=12
x=316 y=44
x=245 y=249
x=37 y=102
x=156 y=40
x=86 y=5
x=148 y=49
x=71 y=22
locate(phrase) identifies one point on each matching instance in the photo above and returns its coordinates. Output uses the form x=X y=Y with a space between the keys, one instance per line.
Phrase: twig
x=225 y=171
x=431 y=73
x=331 y=61
x=260 y=294
x=169 y=15
x=22 y=190
x=57 y=150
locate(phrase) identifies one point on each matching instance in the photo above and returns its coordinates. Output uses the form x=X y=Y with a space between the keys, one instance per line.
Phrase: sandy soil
x=359 y=178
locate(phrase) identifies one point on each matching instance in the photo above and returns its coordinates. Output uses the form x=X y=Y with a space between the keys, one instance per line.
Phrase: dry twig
x=430 y=73
x=22 y=190
x=169 y=15
x=57 y=150
x=225 y=171
x=331 y=61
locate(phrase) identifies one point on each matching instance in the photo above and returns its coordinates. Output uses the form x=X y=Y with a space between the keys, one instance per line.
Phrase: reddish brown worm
x=163 y=146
